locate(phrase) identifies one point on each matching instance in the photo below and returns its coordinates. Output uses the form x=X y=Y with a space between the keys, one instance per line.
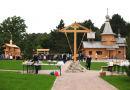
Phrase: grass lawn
x=16 y=81
x=16 y=65
x=122 y=82
x=97 y=66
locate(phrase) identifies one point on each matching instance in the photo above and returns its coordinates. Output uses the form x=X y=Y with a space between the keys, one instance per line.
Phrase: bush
x=127 y=69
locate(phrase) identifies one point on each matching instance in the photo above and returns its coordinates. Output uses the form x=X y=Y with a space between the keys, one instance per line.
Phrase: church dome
x=107 y=16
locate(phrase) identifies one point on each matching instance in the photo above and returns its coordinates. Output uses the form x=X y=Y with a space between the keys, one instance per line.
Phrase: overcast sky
x=44 y=15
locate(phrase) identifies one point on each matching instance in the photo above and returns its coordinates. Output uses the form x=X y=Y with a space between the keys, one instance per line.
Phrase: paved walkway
x=88 y=80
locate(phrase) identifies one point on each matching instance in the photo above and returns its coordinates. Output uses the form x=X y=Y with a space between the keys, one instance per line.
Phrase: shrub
x=127 y=69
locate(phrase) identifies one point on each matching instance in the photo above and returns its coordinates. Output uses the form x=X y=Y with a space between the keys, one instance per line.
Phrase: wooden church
x=108 y=48
x=11 y=49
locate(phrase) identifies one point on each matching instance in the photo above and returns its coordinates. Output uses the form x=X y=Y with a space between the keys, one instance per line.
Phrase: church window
x=99 y=52
x=119 y=52
x=90 y=52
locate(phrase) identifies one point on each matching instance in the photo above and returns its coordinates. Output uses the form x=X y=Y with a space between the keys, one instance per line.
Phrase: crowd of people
x=10 y=57
x=64 y=57
x=54 y=57
x=2 y=56
x=86 y=58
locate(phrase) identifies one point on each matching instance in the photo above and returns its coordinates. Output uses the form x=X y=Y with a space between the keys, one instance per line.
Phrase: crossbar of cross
x=75 y=31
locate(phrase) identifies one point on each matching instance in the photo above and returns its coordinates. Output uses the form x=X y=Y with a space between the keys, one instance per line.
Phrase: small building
x=108 y=48
x=45 y=51
x=11 y=49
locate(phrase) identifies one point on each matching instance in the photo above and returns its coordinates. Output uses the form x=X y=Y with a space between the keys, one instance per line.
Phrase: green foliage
x=15 y=26
x=117 y=22
x=61 y=25
x=17 y=81
x=60 y=43
x=44 y=40
x=127 y=43
x=29 y=50
x=39 y=47
x=102 y=28
x=33 y=36
x=127 y=69
x=89 y=24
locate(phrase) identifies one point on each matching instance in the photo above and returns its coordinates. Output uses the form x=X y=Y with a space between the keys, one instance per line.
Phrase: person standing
x=35 y=58
x=68 y=57
x=44 y=57
x=81 y=57
x=84 y=57
x=89 y=61
x=64 y=58
x=10 y=56
x=96 y=56
x=0 y=57
x=3 y=56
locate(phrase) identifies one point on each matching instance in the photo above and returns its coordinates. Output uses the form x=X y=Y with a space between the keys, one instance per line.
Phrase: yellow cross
x=75 y=31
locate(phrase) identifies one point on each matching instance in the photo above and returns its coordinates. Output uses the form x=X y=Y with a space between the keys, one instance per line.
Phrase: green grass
x=16 y=81
x=97 y=66
x=16 y=65
x=11 y=64
x=122 y=82
x=48 y=67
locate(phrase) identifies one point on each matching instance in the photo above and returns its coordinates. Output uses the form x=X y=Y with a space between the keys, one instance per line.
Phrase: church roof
x=10 y=45
x=120 y=40
x=107 y=28
x=97 y=44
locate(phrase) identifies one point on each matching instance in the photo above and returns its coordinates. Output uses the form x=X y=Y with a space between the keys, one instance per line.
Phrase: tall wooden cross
x=75 y=31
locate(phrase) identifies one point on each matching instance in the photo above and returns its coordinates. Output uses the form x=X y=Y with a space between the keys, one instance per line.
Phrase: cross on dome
x=107 y=16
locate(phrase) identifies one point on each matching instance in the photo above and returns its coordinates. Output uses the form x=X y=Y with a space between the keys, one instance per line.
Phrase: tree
x=61 y=25
x=59 y=40
x=44 y=40
x=15 y=26
x=127 y=43
x=39 y=47
x=117 y=22
x=29 y=49
x=33 y=36
x=102 y=28
x=127 y=69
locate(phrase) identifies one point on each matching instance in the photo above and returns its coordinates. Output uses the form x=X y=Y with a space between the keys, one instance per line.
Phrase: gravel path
x=88 y=80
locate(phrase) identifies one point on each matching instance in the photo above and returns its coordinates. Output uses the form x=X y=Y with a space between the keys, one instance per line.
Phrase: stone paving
x=88 y=80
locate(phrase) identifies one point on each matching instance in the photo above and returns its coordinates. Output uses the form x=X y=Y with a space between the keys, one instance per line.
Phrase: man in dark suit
x=35 y=58
x=89 y=61
x=64 y=58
